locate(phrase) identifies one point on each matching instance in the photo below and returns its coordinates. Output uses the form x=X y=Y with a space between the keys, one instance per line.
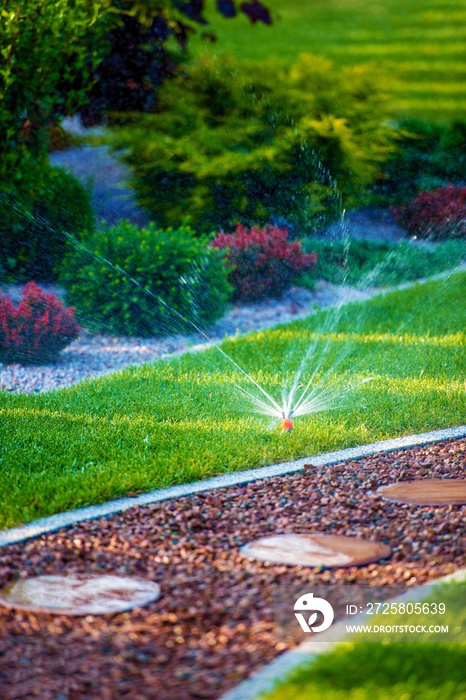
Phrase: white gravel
x=93 y=355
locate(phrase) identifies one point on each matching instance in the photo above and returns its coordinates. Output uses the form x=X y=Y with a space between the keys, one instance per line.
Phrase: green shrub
x=233 y=143
x=372 y=263
x=34 y=219
x=426 y=156
x=49 y=49
x=146 y=282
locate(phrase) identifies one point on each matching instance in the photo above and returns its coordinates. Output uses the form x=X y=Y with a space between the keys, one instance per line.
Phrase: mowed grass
x=420 y=46
x=392 y=670
x=373 y=671
x=181 y=420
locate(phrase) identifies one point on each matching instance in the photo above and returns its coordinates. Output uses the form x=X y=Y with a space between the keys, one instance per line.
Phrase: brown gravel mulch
x=213 y=625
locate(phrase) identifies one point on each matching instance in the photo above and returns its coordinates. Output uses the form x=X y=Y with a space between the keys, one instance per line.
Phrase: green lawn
x=375 y=671
x=181 y=420
x=419 y=45
x=403 y=670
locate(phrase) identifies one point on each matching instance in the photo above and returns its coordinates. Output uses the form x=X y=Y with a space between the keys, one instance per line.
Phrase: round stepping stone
x=426 y=492
x=78 y=594
x=316 y=550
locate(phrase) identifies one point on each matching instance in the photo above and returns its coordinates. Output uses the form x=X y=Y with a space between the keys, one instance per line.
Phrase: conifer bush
x=36 y=330
x=230 y=143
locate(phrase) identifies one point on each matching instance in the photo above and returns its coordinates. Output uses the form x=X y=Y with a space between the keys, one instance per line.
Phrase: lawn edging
x=61 y=520
x=269 y=676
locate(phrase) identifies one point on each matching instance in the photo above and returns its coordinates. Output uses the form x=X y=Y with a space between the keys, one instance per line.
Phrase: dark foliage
x=426 y=156
x=35 y=220
x=256 y=12
x=138 y=58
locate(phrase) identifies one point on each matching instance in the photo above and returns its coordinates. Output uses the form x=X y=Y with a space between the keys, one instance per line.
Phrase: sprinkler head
x=287 y=425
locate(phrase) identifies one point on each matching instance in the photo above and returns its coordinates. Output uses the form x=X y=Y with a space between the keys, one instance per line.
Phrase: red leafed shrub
x=37 y=329
x=435 y=215
x=263 y=261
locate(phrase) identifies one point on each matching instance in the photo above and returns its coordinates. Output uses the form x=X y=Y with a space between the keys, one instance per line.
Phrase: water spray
x=297 y=400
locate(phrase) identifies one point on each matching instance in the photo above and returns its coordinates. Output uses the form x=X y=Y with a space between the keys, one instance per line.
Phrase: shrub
x=49 y=49
x=435 y=215
x=34 y=220
x=230 y=144
x=263 y=262
x=368 y=263
x=426 y=156
x=146 y=282
x=37 y=329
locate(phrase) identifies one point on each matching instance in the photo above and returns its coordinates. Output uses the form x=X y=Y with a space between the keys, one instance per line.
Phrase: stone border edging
x=56 y=522
x=270 y=675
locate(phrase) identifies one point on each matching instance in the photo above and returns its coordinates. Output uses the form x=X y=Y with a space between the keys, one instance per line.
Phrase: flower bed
x=92 y=355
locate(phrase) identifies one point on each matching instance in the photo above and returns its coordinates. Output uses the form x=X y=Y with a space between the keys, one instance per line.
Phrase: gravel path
x=213 y=624
x=95 y=166
x=94 y=355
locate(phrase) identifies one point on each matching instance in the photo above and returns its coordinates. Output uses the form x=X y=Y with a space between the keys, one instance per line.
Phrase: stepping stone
x=78 y=594
x=316 y=549
x=426 y=492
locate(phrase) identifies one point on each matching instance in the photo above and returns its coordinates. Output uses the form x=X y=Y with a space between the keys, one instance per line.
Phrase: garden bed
x=213 y=624
x=94 y=354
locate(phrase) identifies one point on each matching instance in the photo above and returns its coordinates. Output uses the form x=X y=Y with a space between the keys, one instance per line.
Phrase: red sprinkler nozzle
x=287 y=425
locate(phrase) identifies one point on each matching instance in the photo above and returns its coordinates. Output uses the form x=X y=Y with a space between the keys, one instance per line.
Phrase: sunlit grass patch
x=397 y=35
x=185 y=419
x=369 y=670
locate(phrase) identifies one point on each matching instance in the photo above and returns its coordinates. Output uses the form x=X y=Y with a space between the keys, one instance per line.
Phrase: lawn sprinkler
x=287 y=423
